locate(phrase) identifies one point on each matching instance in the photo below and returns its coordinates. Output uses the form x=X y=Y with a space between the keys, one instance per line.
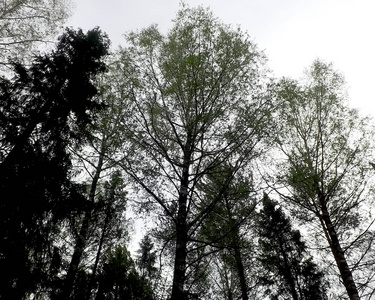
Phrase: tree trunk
x=97 y=258
x=82 y=236
x=76 y=258
x=240 y=271
x=235 y=240
x=181 y=231
x=338 y=253
x=180 y=261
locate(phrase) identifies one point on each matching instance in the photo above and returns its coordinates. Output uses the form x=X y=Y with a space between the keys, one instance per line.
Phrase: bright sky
x=291 y=32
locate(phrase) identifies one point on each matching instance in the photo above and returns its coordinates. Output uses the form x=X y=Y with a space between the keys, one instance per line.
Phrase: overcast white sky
x=291 y=32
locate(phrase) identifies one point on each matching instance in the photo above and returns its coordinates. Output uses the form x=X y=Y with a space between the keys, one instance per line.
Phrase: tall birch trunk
x=178 y=292
x=338 y=253
x=82 y=236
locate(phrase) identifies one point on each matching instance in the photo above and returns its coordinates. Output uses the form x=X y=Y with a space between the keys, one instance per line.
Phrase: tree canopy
x=197 y=103
x=27 y=24
x=189 y=131
x=44 y=109
x=327 y=148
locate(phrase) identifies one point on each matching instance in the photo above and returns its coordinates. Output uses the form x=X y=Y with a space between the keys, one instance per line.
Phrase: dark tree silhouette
x=43 y=109
x=284 y=255
x=119 y=279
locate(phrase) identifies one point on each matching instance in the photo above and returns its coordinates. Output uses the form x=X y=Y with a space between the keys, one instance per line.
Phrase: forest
x=249 y=186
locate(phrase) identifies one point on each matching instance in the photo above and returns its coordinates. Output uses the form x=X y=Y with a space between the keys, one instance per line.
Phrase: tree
x=283 y=255
x=120 y=280
x=327 y=148
x=102 y=227
x=198 y=102
x=146 y=258
x=25 y=24
x=148 y=267
x=227 y=230
x=107 y=204
x=44 y=109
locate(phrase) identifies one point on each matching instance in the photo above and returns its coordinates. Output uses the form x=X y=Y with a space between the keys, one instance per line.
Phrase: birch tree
x=25 y=24
x=198 y=102
x=327 y=149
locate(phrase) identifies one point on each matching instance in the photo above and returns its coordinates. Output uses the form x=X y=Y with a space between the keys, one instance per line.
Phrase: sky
x=292 y=33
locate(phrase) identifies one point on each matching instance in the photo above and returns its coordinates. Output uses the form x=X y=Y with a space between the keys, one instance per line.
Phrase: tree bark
x=338 y=253
x=178 y=292
x=240 y=271
x=82 y=236
x=97 y=258
x=180 y=260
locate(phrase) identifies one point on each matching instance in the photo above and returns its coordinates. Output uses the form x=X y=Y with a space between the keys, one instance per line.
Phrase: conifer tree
x=43 y=110
x=118 y=278
x=226 y=229
x=146 y=258
x=290 y=271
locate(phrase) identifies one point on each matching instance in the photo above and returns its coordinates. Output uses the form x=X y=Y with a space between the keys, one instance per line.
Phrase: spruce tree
x=44 y=109
x=118 y=278
x=289 y=270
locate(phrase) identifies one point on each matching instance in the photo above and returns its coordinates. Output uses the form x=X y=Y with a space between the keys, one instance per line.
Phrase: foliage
x=37 y=109
x=198 y=101
x=25 y=24
x=327 y=148
x=119 y=279
x=289 y=271
x=146 y=258
x=326 y=143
